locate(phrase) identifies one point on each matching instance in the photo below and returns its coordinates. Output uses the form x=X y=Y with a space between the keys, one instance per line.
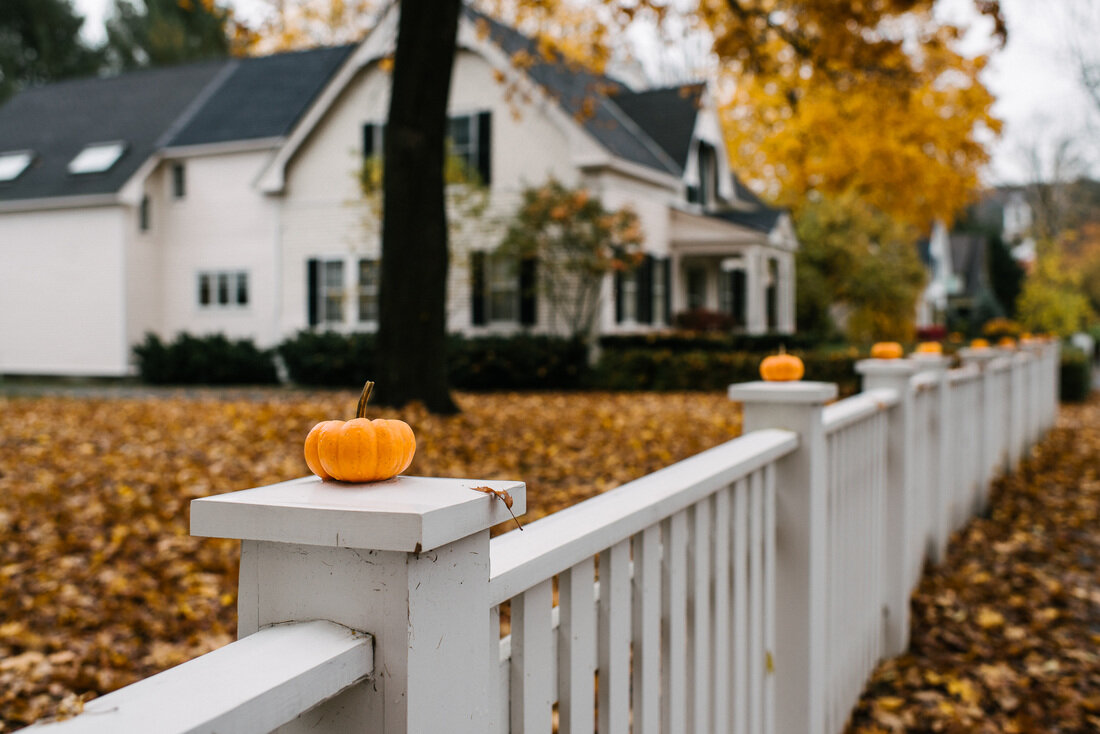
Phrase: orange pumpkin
x=1007 y=341
x=929 y=348
x=886 y=350
x=782 y=367
x=979 y=344
x=360 y=450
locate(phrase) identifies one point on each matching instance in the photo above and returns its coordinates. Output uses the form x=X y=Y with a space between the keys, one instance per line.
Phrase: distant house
x=222 y=197
x=959 y=288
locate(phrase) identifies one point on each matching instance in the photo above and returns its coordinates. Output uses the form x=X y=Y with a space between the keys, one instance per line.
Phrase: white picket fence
x=751 y=588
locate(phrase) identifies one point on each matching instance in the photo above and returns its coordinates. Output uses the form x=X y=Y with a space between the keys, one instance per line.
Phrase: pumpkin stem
x=361 y=408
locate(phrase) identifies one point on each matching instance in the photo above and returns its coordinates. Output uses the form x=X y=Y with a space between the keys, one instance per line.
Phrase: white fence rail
x=752 y=588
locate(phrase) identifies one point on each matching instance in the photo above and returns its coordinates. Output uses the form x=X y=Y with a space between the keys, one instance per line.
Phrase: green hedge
x=696 y=341
x=1076 y=376
x=664 y=369
x=206 y=360
x=328 y=358
x=522 y=362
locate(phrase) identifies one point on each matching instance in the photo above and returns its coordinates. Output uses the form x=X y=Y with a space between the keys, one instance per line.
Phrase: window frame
x=367 y=290
x=222 y=290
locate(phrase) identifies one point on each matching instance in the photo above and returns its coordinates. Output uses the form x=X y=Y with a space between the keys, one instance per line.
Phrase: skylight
x=14 y=163
x=97 y=157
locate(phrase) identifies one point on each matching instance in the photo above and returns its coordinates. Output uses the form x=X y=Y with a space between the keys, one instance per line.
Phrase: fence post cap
x=930 y=361
x=412 y=514
x=981 y=355
x=887 y=367
x=809 y=393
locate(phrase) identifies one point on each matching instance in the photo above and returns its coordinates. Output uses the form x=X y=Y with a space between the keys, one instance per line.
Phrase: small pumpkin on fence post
x=782 y=367
x=979 y=344
x=929 y=348
x=360 y=450
x=886 y=350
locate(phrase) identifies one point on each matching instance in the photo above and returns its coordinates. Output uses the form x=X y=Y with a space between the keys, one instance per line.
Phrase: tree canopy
x=163 y=32
x=40 y=42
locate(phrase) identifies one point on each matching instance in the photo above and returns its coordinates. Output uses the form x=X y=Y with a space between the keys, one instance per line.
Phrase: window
x=332 y=291
x=14 y=163
x=226 y=289
x=143 y=214
x=368 y=290
x=731 y=295
x=696 y=288
x=470 y=138
x=97 y=158
x=771 y=295
x=179 y=181
x=660 y=278
x=503 y=289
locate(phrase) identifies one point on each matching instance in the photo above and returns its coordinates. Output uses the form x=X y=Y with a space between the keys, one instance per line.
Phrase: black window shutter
x=528 y=284
x=618 y=296
x=644 y=291
x=484 y=146
x=667 y=274
x=477 y=296
x=368 y=140
x=313 y=291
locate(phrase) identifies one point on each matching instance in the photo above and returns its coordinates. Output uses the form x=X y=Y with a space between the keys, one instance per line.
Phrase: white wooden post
x=406 y=560
x=988 y=443
x=1016 y=417
x=902 y=565
x=942 y=463
x=800 y=553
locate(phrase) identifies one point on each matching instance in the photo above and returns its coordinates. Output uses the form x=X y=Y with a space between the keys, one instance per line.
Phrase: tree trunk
x=412 y=361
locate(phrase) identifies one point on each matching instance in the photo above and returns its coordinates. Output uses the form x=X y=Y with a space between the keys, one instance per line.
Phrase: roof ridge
x=195 y=105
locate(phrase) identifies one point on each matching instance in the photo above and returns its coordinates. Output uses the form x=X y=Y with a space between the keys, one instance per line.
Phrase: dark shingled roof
x=59 y=120
x=262 y=97
x=761 y=217
x=591 y=99
x=667 y=115
x=192 y=104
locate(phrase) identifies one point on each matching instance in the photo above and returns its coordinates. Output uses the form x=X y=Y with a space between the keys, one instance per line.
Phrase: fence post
x=406 y=560
x=800 y=674
x=982 y=357
x=1017 y=418
x=905 y=552
x=942 y=464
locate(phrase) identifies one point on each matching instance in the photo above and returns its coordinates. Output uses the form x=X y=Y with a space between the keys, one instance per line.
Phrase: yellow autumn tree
x=864 y=99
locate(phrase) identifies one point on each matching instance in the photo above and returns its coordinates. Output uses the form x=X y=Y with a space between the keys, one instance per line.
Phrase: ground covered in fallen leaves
x=1006 y=632
x=100 y=583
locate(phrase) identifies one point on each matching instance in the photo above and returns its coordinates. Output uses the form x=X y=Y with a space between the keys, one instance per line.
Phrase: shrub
x=205 y=360
x=1075 y=377
x=702 y=319
x=522 y=362
x=691 y=341
x=329 y=358
x=664 y=369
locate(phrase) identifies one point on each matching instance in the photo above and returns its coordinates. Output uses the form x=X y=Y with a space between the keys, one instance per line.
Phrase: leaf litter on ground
x=101 y=584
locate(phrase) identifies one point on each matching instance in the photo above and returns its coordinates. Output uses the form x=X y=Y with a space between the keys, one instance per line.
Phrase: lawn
x=100 y=583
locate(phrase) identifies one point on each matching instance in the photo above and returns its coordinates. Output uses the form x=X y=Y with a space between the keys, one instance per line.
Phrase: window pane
x=368 y=290
x=630 y=295
x=223 y=288
x=334 y=274
x=458 y=130
x=204 y=289
x=242 y=289
x=659 y=316
x=503 y=288
x=179 y=181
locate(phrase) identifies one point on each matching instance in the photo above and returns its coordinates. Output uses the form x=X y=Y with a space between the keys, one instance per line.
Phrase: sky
x=1031 y=77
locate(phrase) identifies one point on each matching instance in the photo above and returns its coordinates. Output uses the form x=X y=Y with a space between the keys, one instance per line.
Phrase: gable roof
x=667 y=115
x=592 y=99
x=261 y=97
x=152 y=109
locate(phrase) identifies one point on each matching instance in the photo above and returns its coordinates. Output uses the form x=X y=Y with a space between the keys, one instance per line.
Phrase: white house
x=222 y=197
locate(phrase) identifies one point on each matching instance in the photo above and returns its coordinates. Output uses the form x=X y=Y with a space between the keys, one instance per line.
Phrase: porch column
x=755 y=316
x=676 y=284
x=787 y=294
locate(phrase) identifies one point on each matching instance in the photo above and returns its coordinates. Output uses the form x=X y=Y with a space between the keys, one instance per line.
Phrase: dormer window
x=14 y=163
x=97 y=158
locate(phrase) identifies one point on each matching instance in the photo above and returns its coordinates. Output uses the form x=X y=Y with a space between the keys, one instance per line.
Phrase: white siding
x=323 y=214
x=221 y=224
x=62 y=292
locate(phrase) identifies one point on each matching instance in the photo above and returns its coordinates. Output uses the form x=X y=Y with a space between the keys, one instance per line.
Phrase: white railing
x=752 y=588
